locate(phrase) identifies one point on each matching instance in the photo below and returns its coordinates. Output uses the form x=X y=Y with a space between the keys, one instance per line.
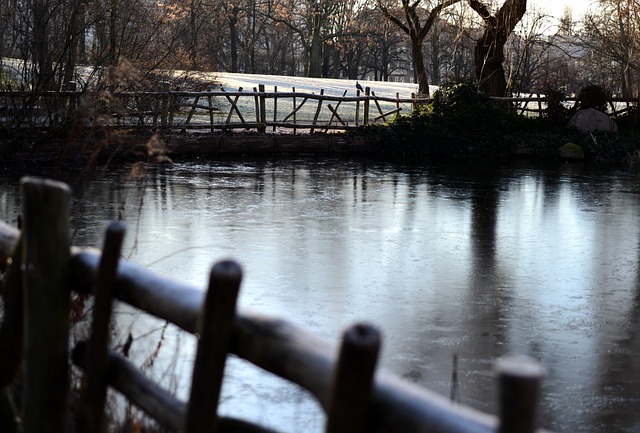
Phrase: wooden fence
x=224 y=110
x=42 y=270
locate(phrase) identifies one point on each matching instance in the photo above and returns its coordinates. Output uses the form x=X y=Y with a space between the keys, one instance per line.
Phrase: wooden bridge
x=43 y=271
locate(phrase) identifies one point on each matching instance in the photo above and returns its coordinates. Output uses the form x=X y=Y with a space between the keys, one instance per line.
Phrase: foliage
x=461 y=122
x=556 y=113
x=630 y=120
x=458 y=122
x=593 y=96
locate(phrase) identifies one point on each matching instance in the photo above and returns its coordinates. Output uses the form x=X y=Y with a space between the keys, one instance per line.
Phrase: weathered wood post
x=315 y=117
x=96 y=390
x=211 y=109
x=262 y=120
x=45 y=261
x=353 y=378
x=365 y=109
x=357 y=107
x=275 y=107
x=519 y=380
x=293 y=89
x=215 y=327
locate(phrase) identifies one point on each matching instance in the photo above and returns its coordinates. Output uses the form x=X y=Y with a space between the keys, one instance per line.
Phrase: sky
x=556 y=7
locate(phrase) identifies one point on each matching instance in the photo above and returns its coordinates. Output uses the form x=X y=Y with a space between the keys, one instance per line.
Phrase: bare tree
x=408 y=19
x=310 y=20
x=527 y=53
x=613 y=35
x=489 y=51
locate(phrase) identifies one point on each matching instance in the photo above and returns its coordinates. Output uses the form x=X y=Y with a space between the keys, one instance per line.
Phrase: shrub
x=593 y=96
x=556 y=113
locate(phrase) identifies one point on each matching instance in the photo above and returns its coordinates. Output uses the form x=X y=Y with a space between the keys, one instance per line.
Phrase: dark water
x=474 y=261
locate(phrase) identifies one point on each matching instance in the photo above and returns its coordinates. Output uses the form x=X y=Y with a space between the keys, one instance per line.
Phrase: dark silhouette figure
x=359 y=87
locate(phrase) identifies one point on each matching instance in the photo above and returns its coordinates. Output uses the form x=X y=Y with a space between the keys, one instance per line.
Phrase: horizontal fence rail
x=342 y=377
x=227 y=110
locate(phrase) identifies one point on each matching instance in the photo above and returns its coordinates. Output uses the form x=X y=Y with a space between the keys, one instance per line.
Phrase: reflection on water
x=446 y=260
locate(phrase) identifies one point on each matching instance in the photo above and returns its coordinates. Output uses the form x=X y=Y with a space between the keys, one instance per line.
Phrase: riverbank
x=404 y=139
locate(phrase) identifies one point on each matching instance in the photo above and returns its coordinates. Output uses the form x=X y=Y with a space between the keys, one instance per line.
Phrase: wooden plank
x=519 y=380
x=146 y=394
x=95 y=395
x=262 y=109
x=334 y=113
x=382 y=115
x=352 y=380
x=193 y=109
x=47 y=305
x=295 y=110
x=211 y=110
x=155 y=401
x=365 y=119
x=315 y=118
x=214 y=328
x=388 y=113
x=275 y=107
x=234 y=106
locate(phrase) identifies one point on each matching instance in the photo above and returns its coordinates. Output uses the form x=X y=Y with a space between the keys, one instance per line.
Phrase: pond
x=472 y=261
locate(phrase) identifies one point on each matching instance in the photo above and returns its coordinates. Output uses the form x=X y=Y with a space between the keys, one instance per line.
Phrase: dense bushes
x=460 y=122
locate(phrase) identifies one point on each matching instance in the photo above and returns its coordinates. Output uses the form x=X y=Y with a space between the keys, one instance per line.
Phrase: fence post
x=45 y=261
x=315 y=118
x=352 y=380
x=275 y=107
x=215 y=326
x=96 y=390
x=262 y=121
x=365 y=109
x=357 y=107
x=293 y=89
x=519 y=379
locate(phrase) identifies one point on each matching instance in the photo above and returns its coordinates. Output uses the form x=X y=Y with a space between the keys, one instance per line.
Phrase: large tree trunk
x=421 y=70
x=489 y=51
x=43 y=78
x=233 y=37
x=315 y=50
x=489 y=56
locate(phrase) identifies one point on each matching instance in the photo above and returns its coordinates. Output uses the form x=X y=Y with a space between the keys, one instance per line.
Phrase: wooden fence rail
x=343 y=378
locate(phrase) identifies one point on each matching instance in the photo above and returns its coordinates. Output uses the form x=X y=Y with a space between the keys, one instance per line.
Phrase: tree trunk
x=489 y=50
x=233 y=37
x=43 y=77
x=421 y=70
x=489 y=56
x=315 y=51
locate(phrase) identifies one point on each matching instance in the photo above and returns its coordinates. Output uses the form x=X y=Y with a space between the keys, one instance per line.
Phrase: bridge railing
x=42 y=271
